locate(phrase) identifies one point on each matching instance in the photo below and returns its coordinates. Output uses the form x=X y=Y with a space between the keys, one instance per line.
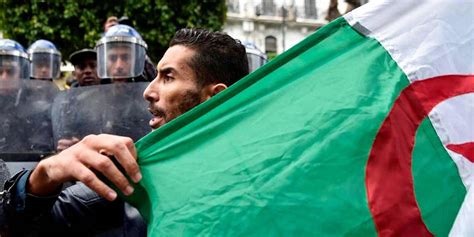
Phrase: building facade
x=276 y=25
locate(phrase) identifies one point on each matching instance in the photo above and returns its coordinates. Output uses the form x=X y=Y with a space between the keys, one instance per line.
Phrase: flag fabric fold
x=315 y=142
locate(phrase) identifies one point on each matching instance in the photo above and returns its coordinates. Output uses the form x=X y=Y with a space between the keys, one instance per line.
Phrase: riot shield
x=26 y=133
x=117 y=108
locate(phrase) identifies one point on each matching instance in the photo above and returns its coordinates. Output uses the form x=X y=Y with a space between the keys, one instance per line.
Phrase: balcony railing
x=306 y=13
x=268 y=8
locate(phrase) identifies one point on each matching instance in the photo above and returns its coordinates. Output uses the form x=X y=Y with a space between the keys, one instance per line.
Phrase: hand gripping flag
x=364 y=128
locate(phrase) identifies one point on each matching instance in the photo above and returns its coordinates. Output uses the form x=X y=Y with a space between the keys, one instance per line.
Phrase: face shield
x=13 y=67
x=120 y=57
x=45 y=64
x=12 y=70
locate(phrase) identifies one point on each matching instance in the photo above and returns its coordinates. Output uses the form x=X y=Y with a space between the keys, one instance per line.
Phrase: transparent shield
x=113 y=108
x=45 y=65
x=117 y=60
x=26 y=133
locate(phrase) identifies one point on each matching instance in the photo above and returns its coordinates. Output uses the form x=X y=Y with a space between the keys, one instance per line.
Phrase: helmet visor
x=13 y=67
x=117 y=60
x=45 y=65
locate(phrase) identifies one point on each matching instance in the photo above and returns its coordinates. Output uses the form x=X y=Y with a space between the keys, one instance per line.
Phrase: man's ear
x=216 y=88
x=213 y=89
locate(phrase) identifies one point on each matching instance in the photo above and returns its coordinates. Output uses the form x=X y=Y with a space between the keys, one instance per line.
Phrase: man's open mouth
x=158 y=118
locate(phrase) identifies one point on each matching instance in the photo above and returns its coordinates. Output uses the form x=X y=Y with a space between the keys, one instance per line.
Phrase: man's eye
x=11 y=71
x=124 y=57
x=113 y=58
x=167 y=78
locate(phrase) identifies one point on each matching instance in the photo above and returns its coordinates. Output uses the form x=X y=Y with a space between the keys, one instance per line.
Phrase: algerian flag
x=364 y=128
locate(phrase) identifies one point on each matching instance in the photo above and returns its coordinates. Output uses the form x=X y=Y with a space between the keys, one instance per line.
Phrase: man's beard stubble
x=190 y=100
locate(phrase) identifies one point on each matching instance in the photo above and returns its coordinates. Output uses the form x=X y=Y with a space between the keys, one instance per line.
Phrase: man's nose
x=88 y=70
x=120 y=63
x=4 y=75
x=151 y=92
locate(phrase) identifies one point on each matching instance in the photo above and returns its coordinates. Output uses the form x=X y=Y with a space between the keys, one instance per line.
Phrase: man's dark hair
x=219 y=58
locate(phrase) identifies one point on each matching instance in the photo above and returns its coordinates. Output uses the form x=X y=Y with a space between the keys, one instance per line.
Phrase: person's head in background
x=45 y=60
x=197 y=65
x=121 y=54
x=111 y=21
x=124 y=20
x=14 y=65
x=85 y=67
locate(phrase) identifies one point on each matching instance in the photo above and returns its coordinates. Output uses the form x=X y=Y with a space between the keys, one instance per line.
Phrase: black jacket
x=75 y=211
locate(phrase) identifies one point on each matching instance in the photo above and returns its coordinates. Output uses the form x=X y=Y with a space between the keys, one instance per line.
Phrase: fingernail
x=128 y=190
x=137 y=177
x=112 y=195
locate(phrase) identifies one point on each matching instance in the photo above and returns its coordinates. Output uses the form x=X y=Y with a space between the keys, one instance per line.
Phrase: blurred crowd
x=29 y=79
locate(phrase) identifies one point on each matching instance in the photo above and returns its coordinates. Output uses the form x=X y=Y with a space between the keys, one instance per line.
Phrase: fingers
x=61 y=146
x=106 y=167
x=86 y=176
x=65 y=143
x=84 y=162
x=123 y=149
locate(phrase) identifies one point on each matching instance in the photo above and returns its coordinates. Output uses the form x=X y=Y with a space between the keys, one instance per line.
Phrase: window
x=233 y=6
x=268 y=7
x=310 y=9
x=270 y=46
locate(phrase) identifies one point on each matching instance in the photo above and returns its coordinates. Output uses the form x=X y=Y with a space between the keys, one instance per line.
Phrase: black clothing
x=75 y=211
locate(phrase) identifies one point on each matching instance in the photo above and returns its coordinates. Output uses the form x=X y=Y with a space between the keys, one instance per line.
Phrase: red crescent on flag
x=389 y=179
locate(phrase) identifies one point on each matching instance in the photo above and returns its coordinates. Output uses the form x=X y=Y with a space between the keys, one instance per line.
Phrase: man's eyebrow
x=167 y=70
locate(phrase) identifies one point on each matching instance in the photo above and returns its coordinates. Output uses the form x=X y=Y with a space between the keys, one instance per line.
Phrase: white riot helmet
x=13 y=60
x=120 y=53
x=255 y=57
x=45 y=60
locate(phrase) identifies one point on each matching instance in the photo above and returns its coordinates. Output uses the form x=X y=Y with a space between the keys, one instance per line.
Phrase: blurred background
x=266 y=27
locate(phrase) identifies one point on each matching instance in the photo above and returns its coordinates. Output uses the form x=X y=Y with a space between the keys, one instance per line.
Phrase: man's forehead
x=119 y=49
x=176 y=57
x=87 y=60
x=9 y=64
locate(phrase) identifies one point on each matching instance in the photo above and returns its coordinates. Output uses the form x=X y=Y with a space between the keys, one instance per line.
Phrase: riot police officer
x=45 y=60
x=25 y=105
x=116 y=108
x=13 y=68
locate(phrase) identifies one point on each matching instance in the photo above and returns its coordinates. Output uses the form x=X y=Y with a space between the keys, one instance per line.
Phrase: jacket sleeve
x=24 y=212
x=75 y=210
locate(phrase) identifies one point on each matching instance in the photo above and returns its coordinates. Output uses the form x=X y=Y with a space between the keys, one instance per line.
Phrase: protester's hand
x=65 y=143
x=84 y=161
